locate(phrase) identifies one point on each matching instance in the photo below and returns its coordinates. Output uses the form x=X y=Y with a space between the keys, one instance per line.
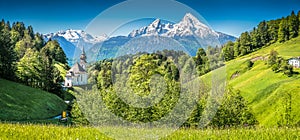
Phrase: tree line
x=266 y=33
x=25 y=57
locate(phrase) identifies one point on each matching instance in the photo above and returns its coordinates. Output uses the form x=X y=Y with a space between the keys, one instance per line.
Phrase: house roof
x=296 y=58
x=77 y=68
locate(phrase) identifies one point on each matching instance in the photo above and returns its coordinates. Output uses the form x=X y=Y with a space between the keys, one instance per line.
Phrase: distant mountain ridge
x=189 y=32
x=186 y=27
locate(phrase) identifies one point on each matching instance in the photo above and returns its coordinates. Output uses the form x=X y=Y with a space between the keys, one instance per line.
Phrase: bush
x=287 y=69
x=233 y=111
x=249 y=64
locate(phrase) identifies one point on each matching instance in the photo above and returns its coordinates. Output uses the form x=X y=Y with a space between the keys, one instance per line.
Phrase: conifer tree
x=7 y=55
x=293 y=23
x=283 y=33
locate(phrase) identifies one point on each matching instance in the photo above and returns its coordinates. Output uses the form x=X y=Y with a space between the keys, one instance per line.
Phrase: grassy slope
x=265 y=90
x=19 y=102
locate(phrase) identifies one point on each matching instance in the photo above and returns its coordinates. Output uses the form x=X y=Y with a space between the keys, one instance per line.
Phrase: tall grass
x=53 y=132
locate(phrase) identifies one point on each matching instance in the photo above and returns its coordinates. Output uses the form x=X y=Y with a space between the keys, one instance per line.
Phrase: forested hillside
x=26 y=58
x=265 y=34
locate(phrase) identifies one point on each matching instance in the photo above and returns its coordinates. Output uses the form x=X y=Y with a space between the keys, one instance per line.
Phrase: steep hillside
x=267 y=92
x=19 y=102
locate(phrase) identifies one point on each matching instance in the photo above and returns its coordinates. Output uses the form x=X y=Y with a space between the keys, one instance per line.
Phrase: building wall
x=68 y=82
x=294 y=62
x=80 y=79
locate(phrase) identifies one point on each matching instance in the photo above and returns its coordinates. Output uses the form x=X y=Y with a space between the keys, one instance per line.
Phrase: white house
x=295 y=62
x=77 y=75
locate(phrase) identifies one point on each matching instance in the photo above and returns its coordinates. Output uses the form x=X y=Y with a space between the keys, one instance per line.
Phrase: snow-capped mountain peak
x=191 y=20
x=71 y=35
x=75 y=36
x=190 y=26
x=155 y=28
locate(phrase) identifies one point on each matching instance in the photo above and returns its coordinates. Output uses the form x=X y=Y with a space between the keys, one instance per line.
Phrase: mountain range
x=188 y=35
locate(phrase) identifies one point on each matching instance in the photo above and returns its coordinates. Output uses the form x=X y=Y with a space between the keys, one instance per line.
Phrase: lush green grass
x=19 y=131
x=19 y=103
x=238 y=134
x=266 y=91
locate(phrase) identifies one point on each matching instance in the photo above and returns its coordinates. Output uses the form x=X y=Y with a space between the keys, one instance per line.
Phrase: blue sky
x=228 y=16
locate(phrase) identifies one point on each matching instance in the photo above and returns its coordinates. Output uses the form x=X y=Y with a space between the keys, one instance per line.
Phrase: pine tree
x=22 y=45
x=283 y=33
x=7 y=55
x=38 y=41
x=55 y=52
x=228 y=51
x=245 y=42
x=200 y=57
x=236 y=48
x=30 y=31
x=264 y=34
x=255 y=39
x=50 y=75
x=273 y=29
x=293 y=23
x=298 y=15
x=272 y=58
x=19 y=27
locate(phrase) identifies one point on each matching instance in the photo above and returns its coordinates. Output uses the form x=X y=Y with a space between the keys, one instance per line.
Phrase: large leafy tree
x=29 y=68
